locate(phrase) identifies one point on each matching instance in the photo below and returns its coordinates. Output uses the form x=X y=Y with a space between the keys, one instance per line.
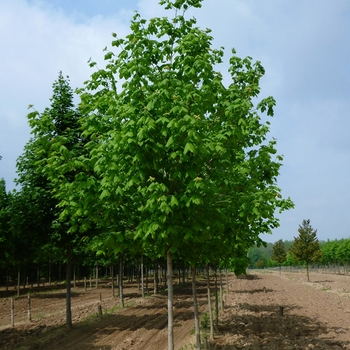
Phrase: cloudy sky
x=303 y=45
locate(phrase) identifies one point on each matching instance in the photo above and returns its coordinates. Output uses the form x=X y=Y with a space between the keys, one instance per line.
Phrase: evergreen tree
x=47 y=164
x=279 y=253
x=306 y=247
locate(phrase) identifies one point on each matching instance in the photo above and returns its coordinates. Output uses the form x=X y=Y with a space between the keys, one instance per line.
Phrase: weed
x=205 y=321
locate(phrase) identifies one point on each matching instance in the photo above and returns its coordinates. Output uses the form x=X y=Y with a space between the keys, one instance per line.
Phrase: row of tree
x=305 y=249
x=159 y=159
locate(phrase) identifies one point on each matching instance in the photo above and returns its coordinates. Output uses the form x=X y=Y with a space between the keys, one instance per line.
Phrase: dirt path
x=316 y=315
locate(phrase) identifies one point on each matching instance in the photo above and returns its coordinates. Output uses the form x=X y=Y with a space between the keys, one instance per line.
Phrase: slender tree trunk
x=147 y=290
x=7 y=278
x=59 y=271
x=38 y=275
x=155 y=279
x=50 y=271
x=170 y=301
x=96 y=275
x=112 y=274
x=227 y=284
x=195 y=306
x=142 y=279
x=307 y=272
x=121 y=295
x=68 y=287
x=138 y=276
x=216 y=302
x=209 y=306
x=18 y=278
x=221 y=292
x=74 y=277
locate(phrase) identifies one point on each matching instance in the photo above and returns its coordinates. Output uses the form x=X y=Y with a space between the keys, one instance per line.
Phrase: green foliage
x=336 y=252
x=160 y=145
x=306 y=246
x=279 y=252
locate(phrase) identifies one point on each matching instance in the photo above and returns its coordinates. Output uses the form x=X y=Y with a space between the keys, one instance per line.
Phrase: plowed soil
x=264 y=310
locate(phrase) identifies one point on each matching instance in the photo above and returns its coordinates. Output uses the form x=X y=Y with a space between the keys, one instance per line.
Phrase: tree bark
x=120 y=281
x=209 y=306
x=155 y=279
x=18 y=278
x=221 y=292
x=96 y=276
x=227 y=284
x=68 y=289
x=50 y=271
x=142 y=279
x=216 y=302
x=170 y=301
x=112 y=274
x=195 y=306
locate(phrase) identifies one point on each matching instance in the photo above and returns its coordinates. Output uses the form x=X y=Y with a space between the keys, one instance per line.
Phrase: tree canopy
x=306 y=246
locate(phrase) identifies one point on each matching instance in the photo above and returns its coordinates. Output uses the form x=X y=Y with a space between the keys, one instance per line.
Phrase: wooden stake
x=29 y=311
x=12 y=312
x=281 y=310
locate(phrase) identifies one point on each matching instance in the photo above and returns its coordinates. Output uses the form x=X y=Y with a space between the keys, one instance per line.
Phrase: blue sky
x=303 y=45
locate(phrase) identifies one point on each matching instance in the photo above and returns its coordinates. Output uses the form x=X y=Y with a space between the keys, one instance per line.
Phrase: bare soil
x=264 y=310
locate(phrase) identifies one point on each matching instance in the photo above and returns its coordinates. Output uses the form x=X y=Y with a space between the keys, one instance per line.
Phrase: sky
x=303 y=45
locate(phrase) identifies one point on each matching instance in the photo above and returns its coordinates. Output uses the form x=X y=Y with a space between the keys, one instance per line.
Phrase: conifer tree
x=306 y=246
x=279 y=253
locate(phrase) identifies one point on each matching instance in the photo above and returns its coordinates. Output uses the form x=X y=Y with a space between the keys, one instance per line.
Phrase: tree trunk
x=50 y=271
x=221 y=292
x=142 y=279
x=112 y=274
x=227 y=284
x=195 y=306
x=120 y=282
x=138 y=276
x=155 y=275
x=147 y=290
x=18 y=278
x=216 y=302
x=209 y=306
x=170 y=301
x=68 y=289
x=307 y=272
x=38 y=275
x=96 y=276
x=7 y=278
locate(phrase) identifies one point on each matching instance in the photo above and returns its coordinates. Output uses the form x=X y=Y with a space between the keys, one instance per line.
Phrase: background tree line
x=332 y=255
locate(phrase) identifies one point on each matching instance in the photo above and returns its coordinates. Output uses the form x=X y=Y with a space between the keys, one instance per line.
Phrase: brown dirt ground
x=316 y=315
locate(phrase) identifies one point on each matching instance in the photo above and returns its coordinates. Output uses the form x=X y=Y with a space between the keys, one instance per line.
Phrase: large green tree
x=177 y=157
x=306 y=247
x=55 y=142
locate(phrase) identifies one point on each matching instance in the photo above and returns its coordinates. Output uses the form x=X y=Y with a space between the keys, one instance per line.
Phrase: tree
x=47 y=163
x=176 y=158
x=279 y=253
x=306 y=246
